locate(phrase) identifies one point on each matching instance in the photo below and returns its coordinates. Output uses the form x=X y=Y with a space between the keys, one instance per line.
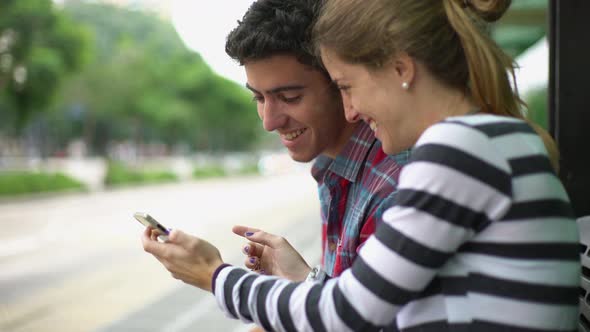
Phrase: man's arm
x=375 y=217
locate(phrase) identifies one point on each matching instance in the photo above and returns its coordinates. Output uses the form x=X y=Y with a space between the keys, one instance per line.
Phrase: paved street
x=75 y=262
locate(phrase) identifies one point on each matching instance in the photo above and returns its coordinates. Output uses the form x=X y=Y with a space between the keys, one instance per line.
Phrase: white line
x=20 y=246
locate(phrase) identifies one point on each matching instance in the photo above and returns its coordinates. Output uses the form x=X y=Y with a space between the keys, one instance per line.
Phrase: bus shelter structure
x=569 y=95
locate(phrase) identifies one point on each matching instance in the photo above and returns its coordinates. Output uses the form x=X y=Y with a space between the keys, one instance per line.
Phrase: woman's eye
x=344 y=90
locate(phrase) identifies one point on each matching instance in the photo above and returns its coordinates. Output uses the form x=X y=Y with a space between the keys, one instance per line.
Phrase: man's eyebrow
x=251 y=88
x=286 y=88
x=278 y=89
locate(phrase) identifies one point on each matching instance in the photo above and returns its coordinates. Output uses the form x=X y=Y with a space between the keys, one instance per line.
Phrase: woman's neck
x=442 y=102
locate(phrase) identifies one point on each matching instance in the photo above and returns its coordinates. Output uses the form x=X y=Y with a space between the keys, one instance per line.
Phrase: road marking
x=20 y=246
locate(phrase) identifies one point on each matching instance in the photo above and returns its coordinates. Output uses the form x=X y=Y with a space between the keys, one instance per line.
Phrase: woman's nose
x=351 y=114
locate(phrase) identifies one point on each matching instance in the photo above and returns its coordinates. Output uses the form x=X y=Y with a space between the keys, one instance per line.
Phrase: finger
x=151 y=246
x=252 y=263
x=264 y=238
x=147 y=234
x=154 y=234
x=253 y=249
x=241 y=230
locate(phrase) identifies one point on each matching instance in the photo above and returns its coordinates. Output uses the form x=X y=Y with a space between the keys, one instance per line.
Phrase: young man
x=297 y=100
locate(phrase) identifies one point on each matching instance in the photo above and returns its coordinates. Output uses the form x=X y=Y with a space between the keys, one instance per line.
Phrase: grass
x=118 y=174
x=21 y=182
x=218 y=171
x=249 y=169
x=209 y=172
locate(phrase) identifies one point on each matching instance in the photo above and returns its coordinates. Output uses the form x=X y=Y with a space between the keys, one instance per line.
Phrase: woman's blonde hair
x=447 y=36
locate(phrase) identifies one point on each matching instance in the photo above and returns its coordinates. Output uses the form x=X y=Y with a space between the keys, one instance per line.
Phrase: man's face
x=300 y=104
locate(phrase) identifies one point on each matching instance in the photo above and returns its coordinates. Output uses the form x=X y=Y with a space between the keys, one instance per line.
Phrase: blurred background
x=108 y=107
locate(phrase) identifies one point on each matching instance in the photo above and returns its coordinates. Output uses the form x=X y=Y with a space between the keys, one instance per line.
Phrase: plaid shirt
x=354 y=189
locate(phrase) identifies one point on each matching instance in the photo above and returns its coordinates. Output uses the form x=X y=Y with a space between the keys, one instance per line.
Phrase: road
x=75 y=262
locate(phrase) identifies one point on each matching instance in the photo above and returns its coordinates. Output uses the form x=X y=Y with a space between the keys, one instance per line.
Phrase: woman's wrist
x=317 y=274
x=304 y=273
x=215 y=274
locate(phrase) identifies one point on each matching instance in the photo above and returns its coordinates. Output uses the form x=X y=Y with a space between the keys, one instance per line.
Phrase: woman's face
x=376 y=97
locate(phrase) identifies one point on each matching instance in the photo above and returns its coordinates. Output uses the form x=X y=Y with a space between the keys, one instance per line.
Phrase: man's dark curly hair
x=272 y=27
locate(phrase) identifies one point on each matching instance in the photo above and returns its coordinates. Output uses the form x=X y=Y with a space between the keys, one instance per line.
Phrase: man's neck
x=342 y=140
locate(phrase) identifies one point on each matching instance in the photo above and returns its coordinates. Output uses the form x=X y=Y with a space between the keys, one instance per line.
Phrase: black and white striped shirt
x=482 y=239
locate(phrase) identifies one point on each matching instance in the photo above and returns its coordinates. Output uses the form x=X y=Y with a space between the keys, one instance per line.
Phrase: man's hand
x=272 y=254
x=187 y=257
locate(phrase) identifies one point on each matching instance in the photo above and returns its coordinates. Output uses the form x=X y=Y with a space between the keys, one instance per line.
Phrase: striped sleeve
x=447 y=194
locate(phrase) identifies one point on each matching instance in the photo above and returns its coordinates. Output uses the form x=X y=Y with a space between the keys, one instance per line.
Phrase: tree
x=39 y=45
x=144 y=84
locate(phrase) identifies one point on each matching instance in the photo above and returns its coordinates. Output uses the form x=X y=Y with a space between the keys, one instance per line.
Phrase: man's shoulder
x=377 y=158
x=381 y=172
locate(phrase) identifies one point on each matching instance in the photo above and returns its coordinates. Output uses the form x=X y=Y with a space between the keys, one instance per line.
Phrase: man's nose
x=272 y=116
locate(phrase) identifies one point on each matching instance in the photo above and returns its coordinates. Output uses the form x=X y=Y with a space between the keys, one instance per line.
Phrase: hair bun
x=489 y=10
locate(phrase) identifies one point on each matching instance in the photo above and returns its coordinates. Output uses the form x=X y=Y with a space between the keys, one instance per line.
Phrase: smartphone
x=149 y=221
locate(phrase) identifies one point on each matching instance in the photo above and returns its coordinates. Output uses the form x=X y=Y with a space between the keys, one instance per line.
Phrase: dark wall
x=569 y=95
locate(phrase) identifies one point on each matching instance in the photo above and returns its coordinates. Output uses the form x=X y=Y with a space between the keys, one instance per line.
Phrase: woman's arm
x=446 y=195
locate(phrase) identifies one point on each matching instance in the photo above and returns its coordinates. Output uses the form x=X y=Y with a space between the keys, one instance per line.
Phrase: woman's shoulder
x=456 y=159
x=483 y=134
x=489 y=124
x=474 y=135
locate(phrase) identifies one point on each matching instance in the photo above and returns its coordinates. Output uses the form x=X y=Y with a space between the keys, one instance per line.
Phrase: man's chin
x=300 y=157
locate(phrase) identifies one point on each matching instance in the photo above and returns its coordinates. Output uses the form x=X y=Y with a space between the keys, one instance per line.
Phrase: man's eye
x=258 y=99
x=290 y=100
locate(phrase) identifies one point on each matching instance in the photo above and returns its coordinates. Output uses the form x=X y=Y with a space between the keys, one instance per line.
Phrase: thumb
x=177 y=236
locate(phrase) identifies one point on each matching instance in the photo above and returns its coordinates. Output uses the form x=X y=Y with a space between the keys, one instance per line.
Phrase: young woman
x=482 y=237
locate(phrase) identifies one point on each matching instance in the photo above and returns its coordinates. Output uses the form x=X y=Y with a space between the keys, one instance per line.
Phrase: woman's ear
x=405 y=69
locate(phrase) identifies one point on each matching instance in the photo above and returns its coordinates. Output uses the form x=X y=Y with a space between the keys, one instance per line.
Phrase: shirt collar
x=349 y=161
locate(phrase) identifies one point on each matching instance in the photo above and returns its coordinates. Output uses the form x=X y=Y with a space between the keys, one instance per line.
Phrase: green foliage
x=139 y=82
x=39 y=45
x=537 y=107
x=118 y=174
x=524 y=24
x=516 y=39
x=16 y=183
x=249 y=169
x=143 y=84
x=209 y=172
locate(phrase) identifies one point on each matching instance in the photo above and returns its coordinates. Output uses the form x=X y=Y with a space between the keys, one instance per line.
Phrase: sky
x=204 y=25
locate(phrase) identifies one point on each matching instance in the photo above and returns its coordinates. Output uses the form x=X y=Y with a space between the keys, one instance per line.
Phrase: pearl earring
x=405 y=85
